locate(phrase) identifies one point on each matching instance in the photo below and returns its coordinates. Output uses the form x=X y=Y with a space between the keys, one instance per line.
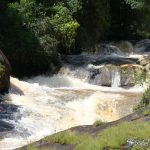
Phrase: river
x=48 y=104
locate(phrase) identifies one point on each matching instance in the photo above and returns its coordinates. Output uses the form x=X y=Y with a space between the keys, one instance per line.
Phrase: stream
x=78 y=95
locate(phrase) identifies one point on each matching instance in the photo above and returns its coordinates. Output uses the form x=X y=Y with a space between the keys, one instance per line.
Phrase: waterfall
x=116 y=77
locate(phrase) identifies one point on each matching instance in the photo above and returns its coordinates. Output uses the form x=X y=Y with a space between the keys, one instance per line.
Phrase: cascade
x=116 y=77
x=43 y=105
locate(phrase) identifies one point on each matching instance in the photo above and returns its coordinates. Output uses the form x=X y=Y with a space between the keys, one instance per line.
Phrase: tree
x=94 y=20
x=141 y=13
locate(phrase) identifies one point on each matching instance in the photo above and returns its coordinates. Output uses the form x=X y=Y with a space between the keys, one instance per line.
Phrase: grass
x=113 y=137
x=31 y=147
x=147 y=113
x=63 y=138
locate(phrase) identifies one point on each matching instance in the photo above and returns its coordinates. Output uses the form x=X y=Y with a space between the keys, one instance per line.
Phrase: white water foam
x=51 y=104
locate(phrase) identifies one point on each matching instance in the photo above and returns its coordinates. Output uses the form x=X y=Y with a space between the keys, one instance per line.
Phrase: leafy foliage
x=42 y=29
x=32 y=29
x=94 y=20
x=141 y=15
x=135 y=3
x=98 y=123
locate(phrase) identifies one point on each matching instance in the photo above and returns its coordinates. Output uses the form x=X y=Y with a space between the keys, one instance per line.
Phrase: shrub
x=98 y=123
x=145 y=101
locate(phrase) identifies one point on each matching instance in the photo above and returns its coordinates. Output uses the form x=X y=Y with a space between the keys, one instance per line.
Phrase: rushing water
x=47 y=104
x=116 y=78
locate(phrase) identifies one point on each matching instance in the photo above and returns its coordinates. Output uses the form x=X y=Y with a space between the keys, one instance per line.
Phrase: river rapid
x=49 y=104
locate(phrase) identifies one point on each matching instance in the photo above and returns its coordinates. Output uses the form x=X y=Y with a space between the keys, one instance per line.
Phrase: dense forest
x=33 y=33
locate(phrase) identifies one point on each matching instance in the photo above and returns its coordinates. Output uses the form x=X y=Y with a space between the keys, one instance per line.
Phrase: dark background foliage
x=34 y=32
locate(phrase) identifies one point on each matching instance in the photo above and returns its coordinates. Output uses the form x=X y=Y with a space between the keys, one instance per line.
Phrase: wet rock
x=4 y=73
x=112 y=75
x=130 y=74
x=103 y=75
x=142 y=46
x=144 y=60
x=77 y=59
x=116 y=60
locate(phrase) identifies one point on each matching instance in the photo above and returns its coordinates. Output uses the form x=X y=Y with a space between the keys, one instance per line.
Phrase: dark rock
x=4 y=126
x=98 y=59
x=4 y=73
x=116 y=60
x=142 y=46
x=77 y=59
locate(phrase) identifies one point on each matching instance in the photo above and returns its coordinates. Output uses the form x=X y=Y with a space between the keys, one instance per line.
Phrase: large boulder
x=4 y=73
x=112 y=75
x=131 y=74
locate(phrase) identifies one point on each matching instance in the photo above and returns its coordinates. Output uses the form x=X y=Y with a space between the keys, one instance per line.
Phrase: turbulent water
x=47 y=104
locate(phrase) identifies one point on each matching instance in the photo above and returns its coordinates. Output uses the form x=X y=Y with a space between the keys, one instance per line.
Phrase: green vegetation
x=64 y=138
x=31 y=147
x=98 y=123
x=113 y=137
x=147 y=113
x=140 y=76
x=145 y=101
x=34 y=32
x=142 y=12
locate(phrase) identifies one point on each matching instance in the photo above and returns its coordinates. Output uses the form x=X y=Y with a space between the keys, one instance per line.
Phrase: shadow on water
x=10 y=114
x=7 y=112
